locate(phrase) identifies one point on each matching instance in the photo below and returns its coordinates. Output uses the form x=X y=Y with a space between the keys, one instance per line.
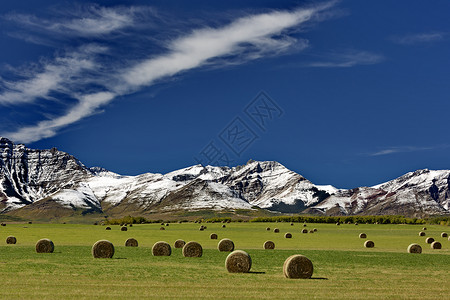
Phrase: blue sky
x=348 y=93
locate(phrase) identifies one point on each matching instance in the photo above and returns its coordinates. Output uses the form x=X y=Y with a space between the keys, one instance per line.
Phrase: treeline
x=343 y=219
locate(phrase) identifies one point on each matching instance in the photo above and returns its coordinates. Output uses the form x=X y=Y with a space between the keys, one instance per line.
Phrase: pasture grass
x=343 y=268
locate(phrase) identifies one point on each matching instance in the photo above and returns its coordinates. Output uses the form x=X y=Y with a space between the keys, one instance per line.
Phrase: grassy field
x=343 y=268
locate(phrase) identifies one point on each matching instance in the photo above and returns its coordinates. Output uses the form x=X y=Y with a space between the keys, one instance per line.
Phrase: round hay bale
x=424 y=228
x=3 y=224
x=304 y=225
x=131 y=243
x=444 y=234
x=356 y=224
x=192 y=249
x=338 y=223
x=204 y=227
x=429 y=240
x=414 y=248
x=123 y=228
x=103 y=249
x=201 y=228
x=305 y=231
x=269 y=245
x=45 y=246
x=223 y=226
x=179 y=244
x=362 y=235
x=162 y=223
x=108 y=228
x=315 y=229
x=131 y=225
x=167 y=224
x=288 y=235
x=161 y=249
x=225 y=245
x=268 y=228
x=276 y=230
x=421 y=233
x=298 y=266
x=11 y=239
x=30 y=222
x=238 y=262
x=162 y=228
x=292 y=224
x=436 y=245
x=369 y=244
x=213 y=236
x=311 y=231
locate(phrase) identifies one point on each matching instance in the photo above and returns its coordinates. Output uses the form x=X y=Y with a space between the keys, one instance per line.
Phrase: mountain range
x=53 y=183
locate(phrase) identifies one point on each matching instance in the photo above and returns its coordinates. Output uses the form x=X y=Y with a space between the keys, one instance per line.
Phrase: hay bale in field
x=108 y=228
x=269 y=245
x=103 y=249
x=3 y=224
x=201 y=228
x=424 y=228
x=421 y=233
x=276 y=230
x=167 y=224
x=338 y=223
x=362 y=235
x=268 y=228
x=162 y=223
x=123 y=228
x=429 y=240
x=315 y=229
x=45 y=246
x=204 y=227
x=238 y=262
x=162 y=228
x=179 y=244
x=11 y=239
x=305 y=231
x=356 y=224
x=131 y=243
x=444 y=234
x=304 y=225
x=30 y=222
x=298 y=266
x=436 y=245
x=311 y=231
x=288 y=235
x=225 y=245
x=192 y=249
x=161 y=249
x=369 y=244
x=414 y=248
x=292 y=224
x=131 y=225
x=213 y=236
x=223 y=226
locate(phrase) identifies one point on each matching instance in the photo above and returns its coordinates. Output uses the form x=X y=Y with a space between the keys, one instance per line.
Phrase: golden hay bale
x=429 y=240
x=225 y=245
x=414 y=248
x=276 y=230
x=436 y=245
x=288 y=235
x=179 y=244
x=238 y=262
x=315 y=229
x=269 y=245
x=305 y=231
x=131 y=243
x=103 y=249
x=444 y=234
x=223 y=226
x=11 y=239
x=108 y=228
x=162 y=228
x=192 y=249
x=213 y=236
x=424 y=228
x=338 y=223
x=362 y=235
x=268 y=228
x=298 y=266
x=161 y=249
x=369 y=244
x=123 y=228
x=45 y=246
x=421 y=233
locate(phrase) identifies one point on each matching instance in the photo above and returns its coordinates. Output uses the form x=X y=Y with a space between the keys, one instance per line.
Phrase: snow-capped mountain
x=39 y=180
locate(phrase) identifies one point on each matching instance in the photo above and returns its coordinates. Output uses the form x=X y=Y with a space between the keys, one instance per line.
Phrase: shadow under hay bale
x=192 y=249
x=108 y=228
x=223 y=226
x=362 y=235
x=424 y=228
x=305 y=231
x=11 y=239
x=269 y=245
x=369 y=244
x=292 y=224
x=201 y=228
x=276 y=230
x=162 y=228
x=161 y=249
x=238 y=262
x=268 y=228
x=422 y=233
x=131 y=243
x=288 y=235
x=213 y=236
x=225 y=245
x=298 y=266
x=311 y=231
x=444 y=234
x=436 y=245
x=123 y=228
x=315 y=229
x=429 y=240
x=103 y=249
x=414 y=248
x=179 y=244
x=45 y=246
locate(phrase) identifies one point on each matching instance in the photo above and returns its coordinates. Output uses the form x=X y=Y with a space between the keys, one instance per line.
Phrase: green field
x=343 y=268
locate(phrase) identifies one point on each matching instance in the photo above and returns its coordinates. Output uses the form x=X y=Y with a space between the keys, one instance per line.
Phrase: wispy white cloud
x=346 y=59
x=404 y=149
x=241 y=40
x=420 y=38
